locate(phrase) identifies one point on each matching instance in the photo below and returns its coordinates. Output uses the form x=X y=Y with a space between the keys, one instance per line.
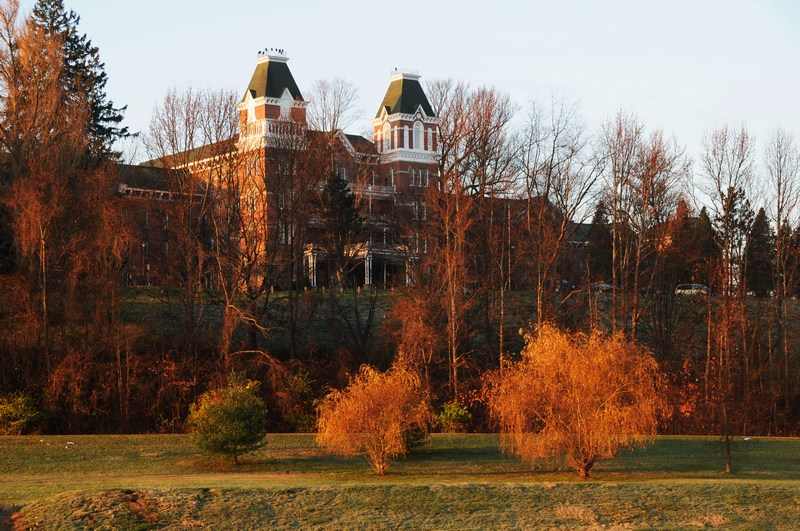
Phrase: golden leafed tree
x=577 y=396
x=375 y=415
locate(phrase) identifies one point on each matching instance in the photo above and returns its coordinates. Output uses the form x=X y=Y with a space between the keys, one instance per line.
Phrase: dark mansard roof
x=270 y=79
x=405 y=95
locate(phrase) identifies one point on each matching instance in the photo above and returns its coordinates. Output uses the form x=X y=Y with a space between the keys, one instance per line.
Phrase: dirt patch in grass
x=579 y=513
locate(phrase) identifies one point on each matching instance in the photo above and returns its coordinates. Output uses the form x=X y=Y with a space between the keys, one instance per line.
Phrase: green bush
x=454 y=417
x=230 y=420
x=17 y=414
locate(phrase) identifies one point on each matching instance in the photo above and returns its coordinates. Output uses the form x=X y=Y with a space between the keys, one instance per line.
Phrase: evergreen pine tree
x=342 y=220
x=598 y=245
x=83 y=76
x=760 y=254
x=705 y=234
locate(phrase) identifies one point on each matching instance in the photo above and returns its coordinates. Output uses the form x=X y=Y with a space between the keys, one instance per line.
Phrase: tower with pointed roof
x=405 y=135
x=271 y=101
x=405 y=132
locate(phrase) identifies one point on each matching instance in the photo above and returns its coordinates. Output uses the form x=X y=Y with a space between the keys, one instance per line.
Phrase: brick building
x=388 y=176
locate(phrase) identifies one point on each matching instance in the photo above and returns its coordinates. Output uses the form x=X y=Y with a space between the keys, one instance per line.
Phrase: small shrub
x=378 y=415
x=297 y=398
x=454 y=417
x=17 y=414
x=230 y=420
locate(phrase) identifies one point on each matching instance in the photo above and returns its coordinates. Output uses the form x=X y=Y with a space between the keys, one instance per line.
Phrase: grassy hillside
x=428 y=507
x=457 y=481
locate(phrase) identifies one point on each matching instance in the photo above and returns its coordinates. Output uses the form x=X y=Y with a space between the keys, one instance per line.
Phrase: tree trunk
x=585 y=469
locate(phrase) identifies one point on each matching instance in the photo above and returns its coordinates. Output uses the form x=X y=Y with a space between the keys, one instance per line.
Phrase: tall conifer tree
x=83 y=76
x=760 y=255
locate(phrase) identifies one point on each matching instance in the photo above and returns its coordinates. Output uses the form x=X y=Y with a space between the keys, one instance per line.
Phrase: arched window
x=387 y=139
x=418 y=143
x=411 y=180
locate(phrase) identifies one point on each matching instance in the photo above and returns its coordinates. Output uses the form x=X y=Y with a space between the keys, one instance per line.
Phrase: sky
x=682 y=66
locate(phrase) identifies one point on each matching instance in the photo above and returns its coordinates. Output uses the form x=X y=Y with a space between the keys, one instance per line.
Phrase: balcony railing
x=374 y=190
x=279 y=133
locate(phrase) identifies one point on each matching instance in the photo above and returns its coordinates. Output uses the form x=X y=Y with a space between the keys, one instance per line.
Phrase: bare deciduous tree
x=782 y=162
x=451 y=208
x=332 y=105
x=727 y=164
x=558 y=174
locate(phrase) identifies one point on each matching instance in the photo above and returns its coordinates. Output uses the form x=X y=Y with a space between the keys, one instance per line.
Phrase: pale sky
x=684 y=66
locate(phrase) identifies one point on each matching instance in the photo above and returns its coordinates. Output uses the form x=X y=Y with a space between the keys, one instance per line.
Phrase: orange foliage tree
x=578 y=396
x=375 y=415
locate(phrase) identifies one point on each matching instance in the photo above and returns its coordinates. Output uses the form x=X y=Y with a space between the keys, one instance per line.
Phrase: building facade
x=285 y=172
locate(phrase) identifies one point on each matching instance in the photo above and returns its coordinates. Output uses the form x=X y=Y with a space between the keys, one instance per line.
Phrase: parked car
x=692 y=289
x=601 y=287
x=564 y=285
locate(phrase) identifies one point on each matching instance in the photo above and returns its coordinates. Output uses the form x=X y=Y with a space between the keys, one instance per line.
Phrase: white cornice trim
x=346 y=142
x=408 y=155
x=271 y=57
x=419 y=115
x=380 y=118
x=412 y=75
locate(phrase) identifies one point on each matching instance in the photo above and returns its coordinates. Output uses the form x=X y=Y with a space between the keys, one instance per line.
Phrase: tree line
x=528 y=222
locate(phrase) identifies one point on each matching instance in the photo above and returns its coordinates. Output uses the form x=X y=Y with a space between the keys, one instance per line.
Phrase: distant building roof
x=197 y=154
x=271 y=78
x=144 y=177
x=580 y=232
x=405 y=95
x=361 y=144
x=151 y=181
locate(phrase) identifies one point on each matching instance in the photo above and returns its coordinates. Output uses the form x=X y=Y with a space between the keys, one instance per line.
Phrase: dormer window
x=286 y=104
x=251 y=109
x=387 y=138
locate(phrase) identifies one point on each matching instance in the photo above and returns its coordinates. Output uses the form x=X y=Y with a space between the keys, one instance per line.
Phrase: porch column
x=312 y=268
x=368 y=269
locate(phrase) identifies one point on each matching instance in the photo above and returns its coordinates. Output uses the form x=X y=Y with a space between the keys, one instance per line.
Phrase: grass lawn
x=458 y=481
